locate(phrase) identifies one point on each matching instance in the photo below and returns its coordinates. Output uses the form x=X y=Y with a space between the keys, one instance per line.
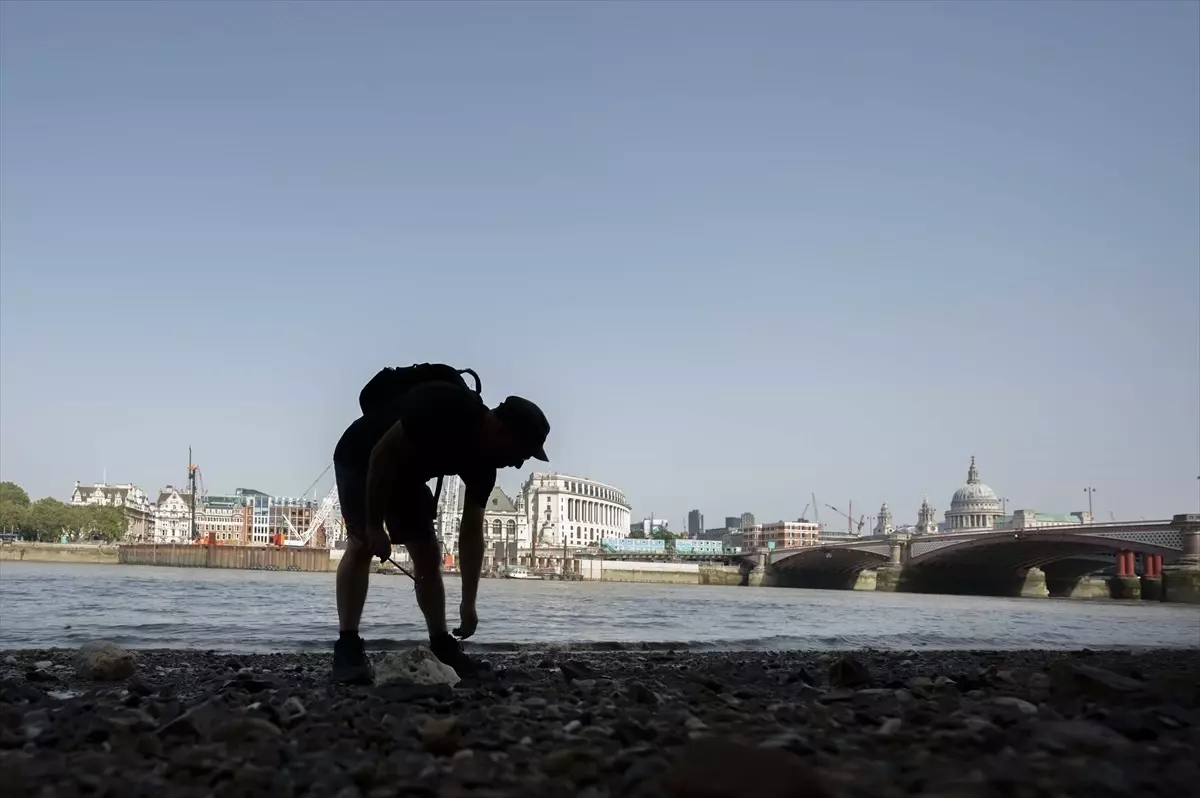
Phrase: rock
x=577 y=764
x=889 y=727
x=704 y=769
x=1080 y=735
x=104 y=662
x=40 y=675
x=137 y=686
x=35 y=723
x=441 y=736
x=849 y=671
x=574 y=669
x=1038 y=682
x=1096 y=680
x=41 y=665
x=1018 y=704
x=245 y=730
x=417 y=666
x=197 y=722
x=641 y=694
x=291 y=711
x=920 y=683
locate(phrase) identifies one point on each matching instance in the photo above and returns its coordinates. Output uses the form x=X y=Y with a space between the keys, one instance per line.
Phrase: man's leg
x=426 y=554
x=350 y=662
x=353 y=579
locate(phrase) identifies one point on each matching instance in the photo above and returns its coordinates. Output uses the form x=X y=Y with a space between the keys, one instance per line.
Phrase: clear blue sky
x=739 y=253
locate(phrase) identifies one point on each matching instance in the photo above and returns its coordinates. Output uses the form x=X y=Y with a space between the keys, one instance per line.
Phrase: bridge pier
x=1033 y=584
x=1152 y=577
x=1181 y=580
x=1125 y=585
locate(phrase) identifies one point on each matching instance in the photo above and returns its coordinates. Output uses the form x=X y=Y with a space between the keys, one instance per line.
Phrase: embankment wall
x=181 y=555
x=85 y=553
x=675 y=573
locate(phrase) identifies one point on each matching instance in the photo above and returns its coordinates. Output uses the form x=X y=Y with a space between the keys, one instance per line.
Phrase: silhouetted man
x=383 y=463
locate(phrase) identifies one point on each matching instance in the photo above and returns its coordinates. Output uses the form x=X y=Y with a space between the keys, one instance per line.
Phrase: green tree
x=107 y=522
x=662 y=534
x=13 y=516
x=49 y=519
x=12 y=492
x=637 y=534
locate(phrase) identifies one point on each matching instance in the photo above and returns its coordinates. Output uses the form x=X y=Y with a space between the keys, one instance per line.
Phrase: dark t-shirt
x=441 y=422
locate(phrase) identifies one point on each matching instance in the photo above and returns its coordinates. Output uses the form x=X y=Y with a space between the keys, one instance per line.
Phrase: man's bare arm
x=470 y=550
x=390 y=455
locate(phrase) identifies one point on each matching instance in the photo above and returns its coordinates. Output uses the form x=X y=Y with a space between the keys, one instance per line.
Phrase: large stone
x=416 y=666
x=104 y=662
x=1181 y=584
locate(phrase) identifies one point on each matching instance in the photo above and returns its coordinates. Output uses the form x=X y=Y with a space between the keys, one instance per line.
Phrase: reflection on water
x=46 y=605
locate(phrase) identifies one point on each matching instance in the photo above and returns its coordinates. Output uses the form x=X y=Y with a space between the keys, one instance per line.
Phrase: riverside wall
x=673 y=573
x=77 y=553
x=181 y=555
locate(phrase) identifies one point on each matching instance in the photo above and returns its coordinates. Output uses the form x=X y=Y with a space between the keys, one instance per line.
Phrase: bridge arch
x=824 y=567
x=997 y=564
x=1017 y=550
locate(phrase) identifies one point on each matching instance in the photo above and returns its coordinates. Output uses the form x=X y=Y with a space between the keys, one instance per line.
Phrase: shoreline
x=614 y=723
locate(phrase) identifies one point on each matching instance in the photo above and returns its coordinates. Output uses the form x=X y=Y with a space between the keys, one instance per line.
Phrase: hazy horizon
x=739 y=253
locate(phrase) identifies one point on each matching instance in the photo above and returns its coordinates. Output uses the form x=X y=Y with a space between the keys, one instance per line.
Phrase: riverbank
x=589 y=724
x=73 y=553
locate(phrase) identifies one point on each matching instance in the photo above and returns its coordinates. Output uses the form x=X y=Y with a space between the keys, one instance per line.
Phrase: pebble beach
x=549 y=723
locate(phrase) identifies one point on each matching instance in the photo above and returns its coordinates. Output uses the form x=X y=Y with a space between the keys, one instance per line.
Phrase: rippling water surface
x=45 y=605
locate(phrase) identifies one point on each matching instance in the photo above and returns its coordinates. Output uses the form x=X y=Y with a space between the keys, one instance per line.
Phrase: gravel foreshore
x=737 y=724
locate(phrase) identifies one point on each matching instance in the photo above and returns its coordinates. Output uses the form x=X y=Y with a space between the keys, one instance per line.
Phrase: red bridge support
x=1125 y=585
x=1152 y=577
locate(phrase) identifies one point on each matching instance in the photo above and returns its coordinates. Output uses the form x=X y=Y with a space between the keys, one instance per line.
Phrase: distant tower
x=884 y=525
x=926 y=519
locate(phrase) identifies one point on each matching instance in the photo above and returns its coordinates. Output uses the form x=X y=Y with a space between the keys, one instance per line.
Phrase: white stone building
x=551 y=509
x=172 y=516
x=139 y=515
x=573 y=511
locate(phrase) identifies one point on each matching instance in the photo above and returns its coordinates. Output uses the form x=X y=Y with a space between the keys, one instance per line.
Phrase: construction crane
x=803 y=512
x=849 y=519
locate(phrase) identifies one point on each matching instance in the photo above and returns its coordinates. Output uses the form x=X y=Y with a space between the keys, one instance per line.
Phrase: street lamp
x=1089 y=492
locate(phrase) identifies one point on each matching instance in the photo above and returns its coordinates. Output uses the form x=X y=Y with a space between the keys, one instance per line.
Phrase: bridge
x=1137 y=559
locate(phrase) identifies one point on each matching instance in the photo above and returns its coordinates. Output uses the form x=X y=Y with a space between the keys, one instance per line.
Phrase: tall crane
x=849 y=520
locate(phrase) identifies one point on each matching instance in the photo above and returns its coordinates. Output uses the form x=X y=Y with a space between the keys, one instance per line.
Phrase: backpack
x=392 y=382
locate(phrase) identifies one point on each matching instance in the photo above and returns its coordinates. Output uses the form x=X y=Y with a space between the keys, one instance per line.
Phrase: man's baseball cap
x=528 y=422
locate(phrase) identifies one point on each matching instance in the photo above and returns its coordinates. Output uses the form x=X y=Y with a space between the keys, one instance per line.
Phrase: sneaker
x=447 y=649
x=351 y=665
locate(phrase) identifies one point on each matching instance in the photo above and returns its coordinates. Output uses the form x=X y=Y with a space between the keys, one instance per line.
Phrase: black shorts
x=409 y=515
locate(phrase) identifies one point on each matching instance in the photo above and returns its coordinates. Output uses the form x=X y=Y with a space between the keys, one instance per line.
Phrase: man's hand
x=470 y=620
x=380 y=543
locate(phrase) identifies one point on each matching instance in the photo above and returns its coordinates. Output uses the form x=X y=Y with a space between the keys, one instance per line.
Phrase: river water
x=48 y=605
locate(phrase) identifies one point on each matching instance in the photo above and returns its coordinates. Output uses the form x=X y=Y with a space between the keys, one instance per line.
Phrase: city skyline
x=738 y=253
x=834 y=521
